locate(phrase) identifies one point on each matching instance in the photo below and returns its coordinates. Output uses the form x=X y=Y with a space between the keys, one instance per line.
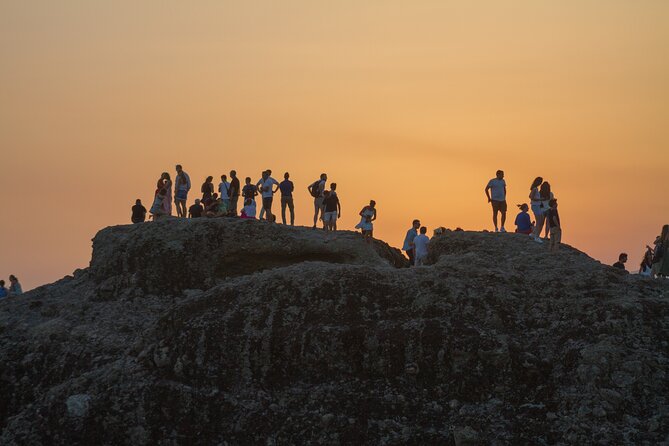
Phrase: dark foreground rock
x=324 y=340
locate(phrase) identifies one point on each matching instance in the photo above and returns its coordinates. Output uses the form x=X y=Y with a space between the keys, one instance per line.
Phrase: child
x=249 y=209
x=523 y=222
x=420 y=245
x=157 y=209
x=553 y=218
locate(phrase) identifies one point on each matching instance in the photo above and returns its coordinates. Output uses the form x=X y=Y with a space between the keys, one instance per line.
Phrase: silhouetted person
x=266 y=188
x=523 y=221
x=545 y=196
x=622 y=259
x=496 y=193
x=408 y=245
x=3 y=291
x=367 y=217
x=316 y=190
x=421 y=243
x=537 y=209
x=332 y=210
x=165 y=184
x=646 y=267
x=661 y=254
x=14 y=286
x=249 y=191
x=224 y=190
x=556 y=229
x=196 y=210
x=287 y=189
x=157 y=208
x=207 y=190
x=181 y=189
x=234 y=192
x=249 y=209
x=138 y=212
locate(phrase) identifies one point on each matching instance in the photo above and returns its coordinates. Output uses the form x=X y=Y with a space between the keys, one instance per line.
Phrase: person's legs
x=284 y=203
x=412 y=257
x=291 y=208
x=502 y=210
x=494 y=216
x=540 y=224
x=318 y=208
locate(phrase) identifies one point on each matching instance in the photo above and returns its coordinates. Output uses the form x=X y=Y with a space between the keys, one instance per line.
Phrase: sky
x=412 y=104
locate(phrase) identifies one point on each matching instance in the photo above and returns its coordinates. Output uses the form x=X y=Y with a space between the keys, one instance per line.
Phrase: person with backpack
x=316 y=190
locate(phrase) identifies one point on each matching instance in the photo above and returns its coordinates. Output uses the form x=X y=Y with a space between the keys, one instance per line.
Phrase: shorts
x=181 y=195
x=267 y=202
x=498 y=206
x=556 y=235
x=330 y=216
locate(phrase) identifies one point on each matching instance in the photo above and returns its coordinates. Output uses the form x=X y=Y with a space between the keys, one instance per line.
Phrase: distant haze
x=413 y=104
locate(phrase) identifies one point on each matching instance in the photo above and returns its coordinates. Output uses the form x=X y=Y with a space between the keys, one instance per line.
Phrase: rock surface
x=240 y=332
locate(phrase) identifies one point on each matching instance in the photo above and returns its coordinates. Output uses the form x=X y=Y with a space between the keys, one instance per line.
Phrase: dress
x=366 y=220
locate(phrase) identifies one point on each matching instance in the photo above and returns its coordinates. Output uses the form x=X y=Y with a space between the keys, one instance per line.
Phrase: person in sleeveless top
x=366 y=225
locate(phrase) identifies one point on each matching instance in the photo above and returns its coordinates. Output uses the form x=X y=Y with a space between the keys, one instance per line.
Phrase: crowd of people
x=655 y=259
x=14 y=287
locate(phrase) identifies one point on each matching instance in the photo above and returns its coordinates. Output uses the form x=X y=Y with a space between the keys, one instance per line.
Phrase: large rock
x=497 y=342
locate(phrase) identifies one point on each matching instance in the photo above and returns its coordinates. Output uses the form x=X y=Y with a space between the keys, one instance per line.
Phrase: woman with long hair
x=207 y=190
x=646 y=267
x=546 y=197
x=535 y=202
x=167 y=187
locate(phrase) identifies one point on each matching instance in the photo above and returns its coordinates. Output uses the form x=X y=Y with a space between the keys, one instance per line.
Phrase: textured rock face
x=497 y=342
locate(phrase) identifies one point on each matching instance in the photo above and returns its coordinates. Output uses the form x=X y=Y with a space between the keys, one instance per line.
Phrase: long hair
x=545 y=191
x=537 y=181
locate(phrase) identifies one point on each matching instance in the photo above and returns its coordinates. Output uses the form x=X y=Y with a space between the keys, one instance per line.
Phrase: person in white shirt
x=181 y=188
x=496 y=193
x=266 y=188
x=224 y=190
x=421 y=243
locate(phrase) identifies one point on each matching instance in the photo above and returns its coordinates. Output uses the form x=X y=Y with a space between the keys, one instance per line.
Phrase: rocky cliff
x=241 y=332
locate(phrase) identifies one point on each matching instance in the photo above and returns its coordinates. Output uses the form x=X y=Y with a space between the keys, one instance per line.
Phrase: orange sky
x=414 y=104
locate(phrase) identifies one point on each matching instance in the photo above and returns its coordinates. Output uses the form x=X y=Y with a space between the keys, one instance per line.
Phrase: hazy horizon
x=413 y=105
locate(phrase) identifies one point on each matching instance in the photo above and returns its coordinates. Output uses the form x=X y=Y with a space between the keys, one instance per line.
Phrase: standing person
x=316 y=190
x=266 y=189
x=421 y=243
x=546 y=197
x=234 y=192
x=14 y=286
x=368 y=215
x=523 y=222
x=224 y=191
x=332 y=210
x=207 y=190
x=181 y=189
x=622 y=259
x=661 y=254
x=157 y=210
x=537 y=210
x=543 y=198
x=138 y=212
x=556 y=229
x=287 y=187
x=196 y=210
x=3 y=291
x=249 y=191
x=496 y=193
x=408 y=245
x=167 y=187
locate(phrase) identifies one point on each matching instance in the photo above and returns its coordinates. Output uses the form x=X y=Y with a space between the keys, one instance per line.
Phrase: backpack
x=315 y=189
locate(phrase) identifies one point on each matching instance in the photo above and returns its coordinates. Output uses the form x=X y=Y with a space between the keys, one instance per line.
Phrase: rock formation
x=241 y=332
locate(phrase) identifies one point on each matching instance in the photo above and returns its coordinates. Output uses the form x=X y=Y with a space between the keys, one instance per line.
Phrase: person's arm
x=362 y=211
x=487 y=193
x=292 y=187
x=554 y=221
x=338 y=208
x=374 y=216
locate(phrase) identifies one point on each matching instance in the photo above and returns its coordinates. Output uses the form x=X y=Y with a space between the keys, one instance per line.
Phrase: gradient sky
x=413 y=104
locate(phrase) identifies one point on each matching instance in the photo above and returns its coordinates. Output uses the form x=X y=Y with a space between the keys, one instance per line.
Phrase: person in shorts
x=408 y=245
x=138 y=212
x=196 y=210
x=496 y=193
x=181 y=188
x=266 y=188
x=421 y=243
x=224 y=190
x=287 y=187
x=331 y=211
x=553 y=217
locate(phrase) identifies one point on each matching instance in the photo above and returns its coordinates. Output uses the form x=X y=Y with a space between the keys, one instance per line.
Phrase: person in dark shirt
x=249 y=191
x=138 y=212
x=234 y=193
x=553 y=217
x=196 y=210
x=286 y=187
x=620 y=264
x=523 y=221
x=332 y=210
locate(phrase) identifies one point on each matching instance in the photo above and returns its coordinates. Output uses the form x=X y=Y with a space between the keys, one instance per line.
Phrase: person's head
x=423 y=229
x=333 y=186
x=552 y=203
x=167 y=176
x=224 y=178
x=138 y=202
x=209 y=179
x=197 y=201
x=537 y=182
x=622 y=258
x=215 y=196
x=286 y=175
x=324 y=176
x=12 y=278
x=269 y=172
x=233 y=174
x=2 y=283
x=372 y=203
x=500 y=174
x=248 y=180
x=523 y=207
x=415 y=224
x=179 y=168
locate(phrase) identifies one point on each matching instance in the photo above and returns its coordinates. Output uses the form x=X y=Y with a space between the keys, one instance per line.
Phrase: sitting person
x=3 y=291
x=217 y=208
x=196 y=210
x=249 y=209
x=646 y=267
x=157 y=210
x=523 y=222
